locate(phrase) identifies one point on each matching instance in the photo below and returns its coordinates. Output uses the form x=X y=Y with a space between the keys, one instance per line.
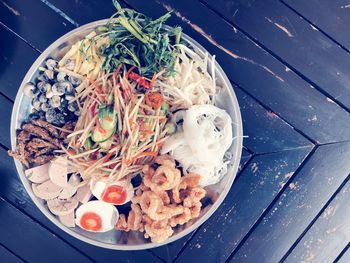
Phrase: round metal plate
x=226 y=99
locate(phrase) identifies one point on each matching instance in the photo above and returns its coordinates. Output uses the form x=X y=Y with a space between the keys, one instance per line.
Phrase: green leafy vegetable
x=137 y=40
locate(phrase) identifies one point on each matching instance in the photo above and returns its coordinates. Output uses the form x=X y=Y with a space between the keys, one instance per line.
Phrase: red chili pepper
x=140 y=80
x=94 y=109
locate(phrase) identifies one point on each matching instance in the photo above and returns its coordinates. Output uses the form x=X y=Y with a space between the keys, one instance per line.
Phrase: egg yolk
x=91 y=221
x=114 y=194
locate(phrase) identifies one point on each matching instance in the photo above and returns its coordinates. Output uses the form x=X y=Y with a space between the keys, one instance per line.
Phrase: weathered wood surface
x=15 y=59
x=330 y=228
x=8 y=257
x=290 y=75
x=295 y=41
x=297 y=206
x=329 y=16
x=18 y=231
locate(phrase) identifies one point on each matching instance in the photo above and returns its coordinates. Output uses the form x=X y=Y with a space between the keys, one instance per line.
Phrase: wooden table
x=289 y=63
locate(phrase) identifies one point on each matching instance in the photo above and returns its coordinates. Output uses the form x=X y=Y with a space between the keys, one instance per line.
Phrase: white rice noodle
x=201 y=146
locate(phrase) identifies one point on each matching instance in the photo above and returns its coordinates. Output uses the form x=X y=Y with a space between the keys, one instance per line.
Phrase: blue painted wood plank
x=5 y=117
x=15 y=59
x=294 y=40
x=297 y=206
x=32 y=242
x=329 y=234
x=266 y=131
x=251 y=193
x=34 y=21
x=332 y=17
x=84 y=11
x=257 y=72
x=8 y=257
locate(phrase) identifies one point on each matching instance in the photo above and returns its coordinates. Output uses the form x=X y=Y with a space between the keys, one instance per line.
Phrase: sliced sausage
x=58 y=171
x=67 y=220
x=47 y=190
x=62 y=207
x=38 y=174
x=84 y=194
x=71 y=187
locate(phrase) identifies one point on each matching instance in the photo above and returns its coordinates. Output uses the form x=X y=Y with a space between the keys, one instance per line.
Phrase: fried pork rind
x=163 y=201
x=164 y=178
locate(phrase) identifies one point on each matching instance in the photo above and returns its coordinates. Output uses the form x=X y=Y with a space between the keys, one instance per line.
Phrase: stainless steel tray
x=226 y=99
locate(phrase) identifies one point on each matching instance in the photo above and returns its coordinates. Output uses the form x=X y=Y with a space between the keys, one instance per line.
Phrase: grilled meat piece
x=18 y=156
x=69 y=126
x=22 y=139
x=47 y=126
x=41 y=133
x=46 y=150
x=42 y=159
x=36 y=143
x=36 y=131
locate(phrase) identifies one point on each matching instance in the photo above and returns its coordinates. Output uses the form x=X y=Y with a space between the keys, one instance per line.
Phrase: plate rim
x=19 y=167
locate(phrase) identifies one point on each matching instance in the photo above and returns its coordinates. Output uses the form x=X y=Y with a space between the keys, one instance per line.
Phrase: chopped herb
x=137 y=40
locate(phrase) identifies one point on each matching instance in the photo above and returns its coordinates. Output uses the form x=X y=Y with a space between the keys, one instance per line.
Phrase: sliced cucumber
x=107 y=118
x=88 y=143
x=98 y=136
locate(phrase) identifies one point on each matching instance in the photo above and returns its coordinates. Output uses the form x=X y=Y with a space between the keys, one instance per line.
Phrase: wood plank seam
x=318 y=28
x=269 y=109
x=294 y=70
x=342 y=253
x=43 y=226
x=189 y=240
x=6 y=97
x=315 y=219
x=12 y=252
x=20 y=37
x=155 y=255
x=267 y=211
x=4 y=147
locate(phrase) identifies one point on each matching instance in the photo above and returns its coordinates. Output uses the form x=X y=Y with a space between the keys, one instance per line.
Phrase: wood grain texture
x=85 y=11
x=16 y=57
x=13 y=191
x=33 y=21
x=332 y=17
x=18 y=230
x=325 y=240
x=265 y=131
x=295 y=41
x=5 y=117
x=298 y=205
x=257 y=72
x=7 y=256
x=250 y=195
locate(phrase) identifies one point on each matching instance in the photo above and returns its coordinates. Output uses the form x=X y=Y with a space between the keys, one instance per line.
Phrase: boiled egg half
x=117 y=192
x=96 y=216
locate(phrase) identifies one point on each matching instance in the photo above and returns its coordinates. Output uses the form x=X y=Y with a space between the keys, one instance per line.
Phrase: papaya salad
x=124 y=134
